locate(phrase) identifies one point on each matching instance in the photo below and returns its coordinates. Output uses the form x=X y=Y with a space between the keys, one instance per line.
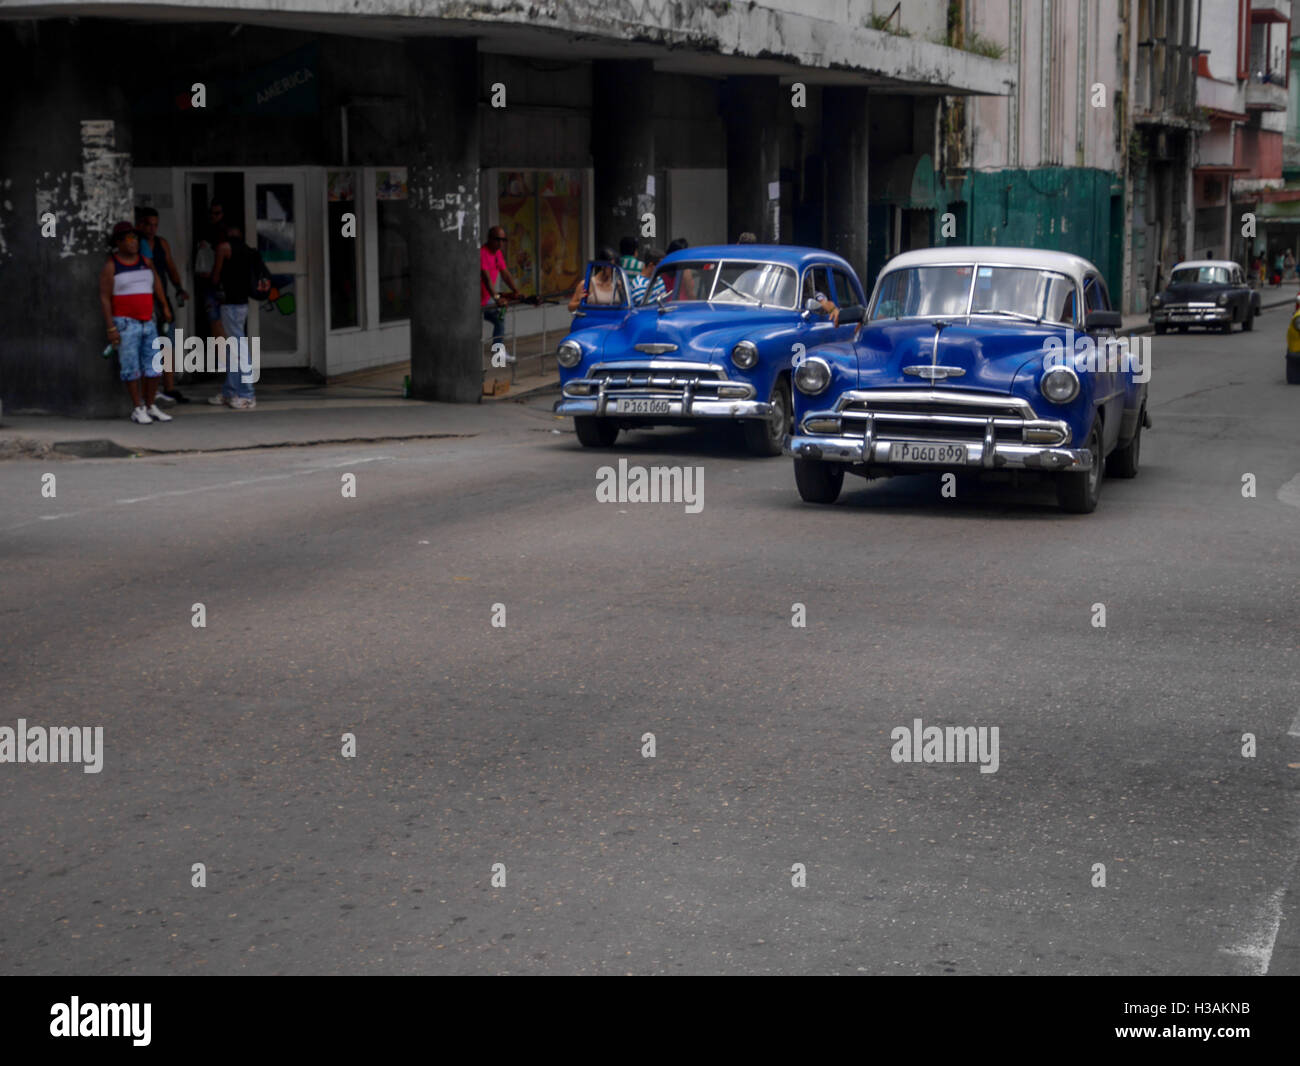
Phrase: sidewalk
x=369 y=409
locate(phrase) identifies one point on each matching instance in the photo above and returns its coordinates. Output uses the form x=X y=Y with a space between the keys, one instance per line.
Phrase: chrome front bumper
x=1190 y=316
x=603 y=407
x=876 y=419
x=998 y=456
x=681 y=389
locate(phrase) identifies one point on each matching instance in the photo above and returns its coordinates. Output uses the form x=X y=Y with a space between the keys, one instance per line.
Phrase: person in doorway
x=747 y=238
x=159 y=253
x=491 y=265
x=237 y=272
x=641 y=283
x=205 y=255
x=628 y=258
x=128 y=286
x=1288 y=266
x=604 y=289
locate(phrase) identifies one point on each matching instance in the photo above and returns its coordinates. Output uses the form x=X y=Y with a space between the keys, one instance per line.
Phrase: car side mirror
x=1103 y=320
x=852 y=313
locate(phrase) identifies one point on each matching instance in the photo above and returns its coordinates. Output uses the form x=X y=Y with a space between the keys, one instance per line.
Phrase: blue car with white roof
x=714 y=338
x=975 y=360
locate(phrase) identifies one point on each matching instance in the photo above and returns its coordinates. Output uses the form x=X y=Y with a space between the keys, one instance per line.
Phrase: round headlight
x=568 y=354
x=1060 y=384
x=813 y=376
x=744 y=354
x=1223 y=298
x=1156 y=301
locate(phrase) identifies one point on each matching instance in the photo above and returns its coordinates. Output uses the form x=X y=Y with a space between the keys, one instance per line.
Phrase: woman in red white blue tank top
x=128 y=284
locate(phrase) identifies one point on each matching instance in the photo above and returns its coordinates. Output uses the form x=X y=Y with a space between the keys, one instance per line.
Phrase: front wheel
x=1161 y=328
x=817 y=481
x=1078 y=493
x=595 y=432
x=1293 y=371
x=1226 y=326
x=1123 y=461
x=1249 y=323
x=765 y=437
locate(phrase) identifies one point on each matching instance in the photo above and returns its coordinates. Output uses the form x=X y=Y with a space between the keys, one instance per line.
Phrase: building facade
x=365 y=155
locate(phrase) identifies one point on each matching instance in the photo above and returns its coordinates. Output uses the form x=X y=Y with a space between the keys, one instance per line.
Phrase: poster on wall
x=390 y=184
x=560 y=228
x=541 y=212
x=517 y=215
x=340 y=185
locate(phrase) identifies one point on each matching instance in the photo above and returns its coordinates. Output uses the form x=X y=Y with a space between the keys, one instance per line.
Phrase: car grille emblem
x=655 y=349
x=934 y=373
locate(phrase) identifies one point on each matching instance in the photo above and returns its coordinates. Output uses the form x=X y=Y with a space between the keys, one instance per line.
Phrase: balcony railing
x=1266 y=91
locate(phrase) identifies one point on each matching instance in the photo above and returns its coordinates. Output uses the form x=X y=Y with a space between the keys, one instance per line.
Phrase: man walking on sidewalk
x=237 y=272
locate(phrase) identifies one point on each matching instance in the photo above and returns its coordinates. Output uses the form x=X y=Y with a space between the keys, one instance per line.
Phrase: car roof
x=1206 y=263
x=998 y=255
x=787 y=254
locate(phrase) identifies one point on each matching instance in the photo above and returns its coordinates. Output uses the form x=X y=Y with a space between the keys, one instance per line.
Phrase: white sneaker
x=158 y=415
x=162 y=397
x=243 y=403
x=219 y=400
x=141 y=415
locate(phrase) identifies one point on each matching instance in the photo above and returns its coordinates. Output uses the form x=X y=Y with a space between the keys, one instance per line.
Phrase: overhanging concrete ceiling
x=715 y=40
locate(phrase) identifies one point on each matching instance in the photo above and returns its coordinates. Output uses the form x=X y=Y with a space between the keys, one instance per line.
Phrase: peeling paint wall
x=87 y=202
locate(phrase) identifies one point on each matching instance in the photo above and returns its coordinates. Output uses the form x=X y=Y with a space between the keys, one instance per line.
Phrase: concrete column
x=752 y=111
x=844 y=144
x=65 y=152
x=623 y=150
x=443 y=238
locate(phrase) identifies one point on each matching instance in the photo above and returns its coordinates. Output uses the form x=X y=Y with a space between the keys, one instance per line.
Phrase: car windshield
x=961 y=289
x=1199 y=276
x=736 y=282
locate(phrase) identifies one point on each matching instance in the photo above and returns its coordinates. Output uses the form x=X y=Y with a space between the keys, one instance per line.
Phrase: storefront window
x=343 y=241
x=394 y=257
x=541 y=211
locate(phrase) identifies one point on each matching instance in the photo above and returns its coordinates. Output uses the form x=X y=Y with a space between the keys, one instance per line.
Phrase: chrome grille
x=943 y=415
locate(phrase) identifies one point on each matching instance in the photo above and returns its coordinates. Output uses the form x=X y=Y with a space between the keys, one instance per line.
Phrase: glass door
x=276 y=210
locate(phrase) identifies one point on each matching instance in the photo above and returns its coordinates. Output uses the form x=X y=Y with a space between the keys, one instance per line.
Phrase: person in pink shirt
x=492 y=263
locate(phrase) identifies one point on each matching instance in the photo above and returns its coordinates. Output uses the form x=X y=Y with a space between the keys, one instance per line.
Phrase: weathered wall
x=65 y=140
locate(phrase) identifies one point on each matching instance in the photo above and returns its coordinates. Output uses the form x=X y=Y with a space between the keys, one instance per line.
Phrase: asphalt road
x=522 y=745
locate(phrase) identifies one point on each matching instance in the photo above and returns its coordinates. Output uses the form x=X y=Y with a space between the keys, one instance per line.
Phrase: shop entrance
x=270 y=205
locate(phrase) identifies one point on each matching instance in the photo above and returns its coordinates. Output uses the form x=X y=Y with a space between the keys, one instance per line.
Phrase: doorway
x=270 y=206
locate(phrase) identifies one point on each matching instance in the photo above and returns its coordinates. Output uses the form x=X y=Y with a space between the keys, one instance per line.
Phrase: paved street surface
x=521 y=745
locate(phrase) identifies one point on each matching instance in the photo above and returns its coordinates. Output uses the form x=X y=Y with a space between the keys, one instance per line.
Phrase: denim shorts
x=135 y=348
x=212 y=304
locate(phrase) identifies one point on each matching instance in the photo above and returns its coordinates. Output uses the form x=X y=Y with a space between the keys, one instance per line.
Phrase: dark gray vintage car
x=1205 y=292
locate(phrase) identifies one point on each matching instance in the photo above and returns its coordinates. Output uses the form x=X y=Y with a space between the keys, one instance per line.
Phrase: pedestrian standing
x=128 y=286
x=237 y=272
x=159 y=253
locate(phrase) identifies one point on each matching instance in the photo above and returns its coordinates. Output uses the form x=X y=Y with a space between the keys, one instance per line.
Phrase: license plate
x=641 y=407
x=1183 y=318
x=927 y=453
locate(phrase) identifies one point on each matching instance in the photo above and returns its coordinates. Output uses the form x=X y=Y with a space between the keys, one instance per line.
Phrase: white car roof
x=1206 y=263
x=995 y=255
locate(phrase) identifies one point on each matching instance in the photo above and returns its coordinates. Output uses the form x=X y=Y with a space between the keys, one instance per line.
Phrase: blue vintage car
x=712 y=338
x=972 y=360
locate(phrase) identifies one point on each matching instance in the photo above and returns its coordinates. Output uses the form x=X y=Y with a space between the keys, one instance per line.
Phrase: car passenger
x=815 y=300
x=605 y=288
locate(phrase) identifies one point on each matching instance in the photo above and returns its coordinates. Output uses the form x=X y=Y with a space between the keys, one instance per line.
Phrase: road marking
x=1290 y=492
x=207 y=488
x=1258 y=949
